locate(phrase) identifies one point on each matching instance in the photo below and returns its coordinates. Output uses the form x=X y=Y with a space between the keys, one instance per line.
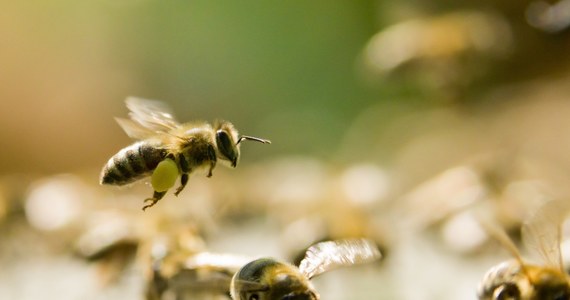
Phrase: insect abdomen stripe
x=122 y=164
x=111 y=176
x=151 y=155
x=132 y=163
x=135 y=160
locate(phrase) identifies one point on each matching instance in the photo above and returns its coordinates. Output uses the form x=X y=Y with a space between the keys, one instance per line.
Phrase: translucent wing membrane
x=154 y=115
x=543 y=232
x=135 y=130
x=498 y=233
x=325 y=256
x=230 y=262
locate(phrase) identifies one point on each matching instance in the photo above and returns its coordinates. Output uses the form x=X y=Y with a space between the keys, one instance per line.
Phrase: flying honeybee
x=167 y=149
x=517 y=280
x=269 y=279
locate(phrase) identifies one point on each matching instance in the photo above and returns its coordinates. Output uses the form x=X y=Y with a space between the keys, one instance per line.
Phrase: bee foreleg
x=213 y=159
x=155 y=197
x=183 y=181
x=212 y=165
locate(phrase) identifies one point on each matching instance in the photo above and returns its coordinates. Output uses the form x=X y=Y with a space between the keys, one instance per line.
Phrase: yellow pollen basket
x=164 y=176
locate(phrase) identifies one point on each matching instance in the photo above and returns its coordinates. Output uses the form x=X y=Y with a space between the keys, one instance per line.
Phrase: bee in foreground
x=269 y=279
x=517 y=280
x=167 y=149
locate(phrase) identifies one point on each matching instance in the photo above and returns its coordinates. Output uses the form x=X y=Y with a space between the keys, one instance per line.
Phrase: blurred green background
x=284 y=70
x=292 y=71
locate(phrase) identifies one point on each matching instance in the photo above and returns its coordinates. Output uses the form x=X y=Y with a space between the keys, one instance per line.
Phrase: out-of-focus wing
x=207 y=271
x=153 y=115
x=325 y=256
x=135 y=130
x=498 y=233
x=543 y=232
x=230 y=262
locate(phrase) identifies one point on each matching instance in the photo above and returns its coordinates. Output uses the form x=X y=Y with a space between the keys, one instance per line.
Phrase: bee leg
x=213 y=159
x=184 y=166
x=212 y=165
x=183 y=181
x=155 y=197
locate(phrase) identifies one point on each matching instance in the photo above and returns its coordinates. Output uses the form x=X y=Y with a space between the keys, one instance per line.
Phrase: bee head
x=228 y=141
x=267 y=278
x=507 y=291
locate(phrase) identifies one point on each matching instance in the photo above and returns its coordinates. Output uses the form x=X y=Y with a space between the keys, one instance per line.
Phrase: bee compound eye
x=507 y=291
x=563 y=295
x=225 y=145
x=253 y=296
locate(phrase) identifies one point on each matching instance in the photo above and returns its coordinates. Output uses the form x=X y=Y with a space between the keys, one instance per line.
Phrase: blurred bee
x=203 y=275
x=109 y=240
x=269 y=279
x=181 y=268
x=518 y=280
x=168 y=149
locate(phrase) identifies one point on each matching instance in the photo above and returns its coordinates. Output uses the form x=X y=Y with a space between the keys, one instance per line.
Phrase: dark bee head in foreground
x=266 y=278
x=518 y=280
x=269 y=279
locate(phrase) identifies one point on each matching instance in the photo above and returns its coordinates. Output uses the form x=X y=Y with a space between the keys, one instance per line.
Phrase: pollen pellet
x=164 y=176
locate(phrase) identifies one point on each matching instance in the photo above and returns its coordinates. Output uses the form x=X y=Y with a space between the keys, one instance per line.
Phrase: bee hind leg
x=155 y=197
x=183 y=181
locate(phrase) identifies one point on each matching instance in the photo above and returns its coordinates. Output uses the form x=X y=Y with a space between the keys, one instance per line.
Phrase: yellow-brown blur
x=398 y=121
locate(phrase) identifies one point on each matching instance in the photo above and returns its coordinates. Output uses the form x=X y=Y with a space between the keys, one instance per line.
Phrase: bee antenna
x=252 y=138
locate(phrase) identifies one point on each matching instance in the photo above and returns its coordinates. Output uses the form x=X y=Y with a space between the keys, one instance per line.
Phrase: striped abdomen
x=133 y=163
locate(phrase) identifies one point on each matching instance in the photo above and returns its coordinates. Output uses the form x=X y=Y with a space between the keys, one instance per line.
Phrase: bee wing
x=210 y=271
x=497 y=232
x=230 y=262
x=542 y=232
x=135 y=130
x=153 y=115
x=325 y=256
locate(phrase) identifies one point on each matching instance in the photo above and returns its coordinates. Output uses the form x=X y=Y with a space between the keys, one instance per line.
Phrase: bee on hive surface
x=179 y=267
x=269 y=279
x=518 y=280
x=167 y=149
x=200 y=276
